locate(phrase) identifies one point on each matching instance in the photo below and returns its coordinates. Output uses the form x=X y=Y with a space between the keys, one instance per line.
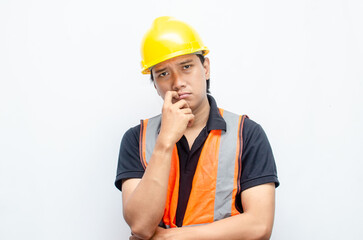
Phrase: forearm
x=242 y=226
x=144 y=200
x=144 y=208
x=255 y=223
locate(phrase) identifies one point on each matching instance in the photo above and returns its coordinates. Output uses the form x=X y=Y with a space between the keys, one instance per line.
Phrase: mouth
x=183 y=95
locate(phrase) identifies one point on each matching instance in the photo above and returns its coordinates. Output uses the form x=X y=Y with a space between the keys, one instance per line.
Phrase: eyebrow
x=160 y=70
x=182 y=63
x=186 y=61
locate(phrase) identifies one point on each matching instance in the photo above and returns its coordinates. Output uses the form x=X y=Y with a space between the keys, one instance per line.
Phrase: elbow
x=142 y=232
x=263 y=232
x=140 y=226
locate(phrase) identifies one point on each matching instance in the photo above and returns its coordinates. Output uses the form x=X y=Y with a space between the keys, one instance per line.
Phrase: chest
x=194 y=136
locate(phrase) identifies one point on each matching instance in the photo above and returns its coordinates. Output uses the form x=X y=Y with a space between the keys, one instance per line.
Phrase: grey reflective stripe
x=226 y=164
x=151 y=134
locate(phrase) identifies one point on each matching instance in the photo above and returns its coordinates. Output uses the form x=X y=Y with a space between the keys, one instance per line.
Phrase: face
x=184 y=74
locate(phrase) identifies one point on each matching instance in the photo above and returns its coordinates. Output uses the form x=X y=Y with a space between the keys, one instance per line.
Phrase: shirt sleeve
x=258 y=163
x=129 y=164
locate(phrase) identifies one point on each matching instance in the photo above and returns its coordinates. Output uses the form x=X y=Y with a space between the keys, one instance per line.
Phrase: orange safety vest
x=216 y=181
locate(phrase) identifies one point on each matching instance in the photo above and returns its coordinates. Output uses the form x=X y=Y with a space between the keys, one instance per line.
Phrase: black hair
x=201 y=57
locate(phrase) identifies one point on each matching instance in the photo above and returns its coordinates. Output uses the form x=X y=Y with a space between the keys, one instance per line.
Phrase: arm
x=144 y=200
x=255 y=223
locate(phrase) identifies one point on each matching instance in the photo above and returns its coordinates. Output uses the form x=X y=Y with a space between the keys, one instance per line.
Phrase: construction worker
x=195 y=171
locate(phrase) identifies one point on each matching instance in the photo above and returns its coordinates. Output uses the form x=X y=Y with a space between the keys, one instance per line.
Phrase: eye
x=187 y=66
x=163 y=74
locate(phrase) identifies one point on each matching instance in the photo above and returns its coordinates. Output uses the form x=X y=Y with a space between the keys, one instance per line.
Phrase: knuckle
x=183 y=102
x=165 y=109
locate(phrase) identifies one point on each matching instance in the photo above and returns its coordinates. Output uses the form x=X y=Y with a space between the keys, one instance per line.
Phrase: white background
x=70 y=86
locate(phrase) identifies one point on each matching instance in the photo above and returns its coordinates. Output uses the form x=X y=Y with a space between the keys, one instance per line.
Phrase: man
x=195 y=171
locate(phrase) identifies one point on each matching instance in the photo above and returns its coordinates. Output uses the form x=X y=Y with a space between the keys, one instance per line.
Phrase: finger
x=170 y=95
x=186 y=110
x=191 y=120
x=181 y=104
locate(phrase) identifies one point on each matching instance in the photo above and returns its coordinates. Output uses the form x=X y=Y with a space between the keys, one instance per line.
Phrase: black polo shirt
x=258 y=164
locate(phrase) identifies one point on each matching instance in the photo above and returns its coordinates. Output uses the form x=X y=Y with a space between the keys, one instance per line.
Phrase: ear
x=206 y=68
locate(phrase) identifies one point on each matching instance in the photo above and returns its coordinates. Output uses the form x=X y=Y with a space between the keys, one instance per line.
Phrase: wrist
x=164 y=143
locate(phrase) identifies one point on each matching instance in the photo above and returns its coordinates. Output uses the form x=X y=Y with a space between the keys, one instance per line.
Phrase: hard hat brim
x=146 y=69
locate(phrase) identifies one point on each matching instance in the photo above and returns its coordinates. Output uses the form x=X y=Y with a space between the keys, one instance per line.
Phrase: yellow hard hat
x=168 y=38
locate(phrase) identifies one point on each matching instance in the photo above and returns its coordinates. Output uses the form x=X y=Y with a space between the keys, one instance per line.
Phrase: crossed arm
x=144 y=203
x=254 y=223
x=144 y=199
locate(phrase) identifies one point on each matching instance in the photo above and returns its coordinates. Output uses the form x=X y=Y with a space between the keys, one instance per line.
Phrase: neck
x=201 y=115
x=200 y=120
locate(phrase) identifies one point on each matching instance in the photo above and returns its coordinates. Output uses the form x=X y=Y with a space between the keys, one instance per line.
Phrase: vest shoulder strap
x=149 y=130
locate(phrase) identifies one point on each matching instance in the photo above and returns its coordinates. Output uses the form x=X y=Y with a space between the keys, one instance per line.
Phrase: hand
x=176 y=117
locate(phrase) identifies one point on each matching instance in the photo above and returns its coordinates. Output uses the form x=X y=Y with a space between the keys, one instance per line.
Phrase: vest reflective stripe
x=149 y=130
x=227 y=168
x=216 y=180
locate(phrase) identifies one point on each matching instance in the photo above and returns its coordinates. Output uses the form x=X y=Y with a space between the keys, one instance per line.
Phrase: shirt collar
x=215 y=120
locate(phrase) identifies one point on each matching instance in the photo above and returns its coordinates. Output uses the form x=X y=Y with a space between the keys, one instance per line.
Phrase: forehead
x=176 y=61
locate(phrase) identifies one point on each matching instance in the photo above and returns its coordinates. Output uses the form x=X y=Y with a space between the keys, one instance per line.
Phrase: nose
x=178 y=81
